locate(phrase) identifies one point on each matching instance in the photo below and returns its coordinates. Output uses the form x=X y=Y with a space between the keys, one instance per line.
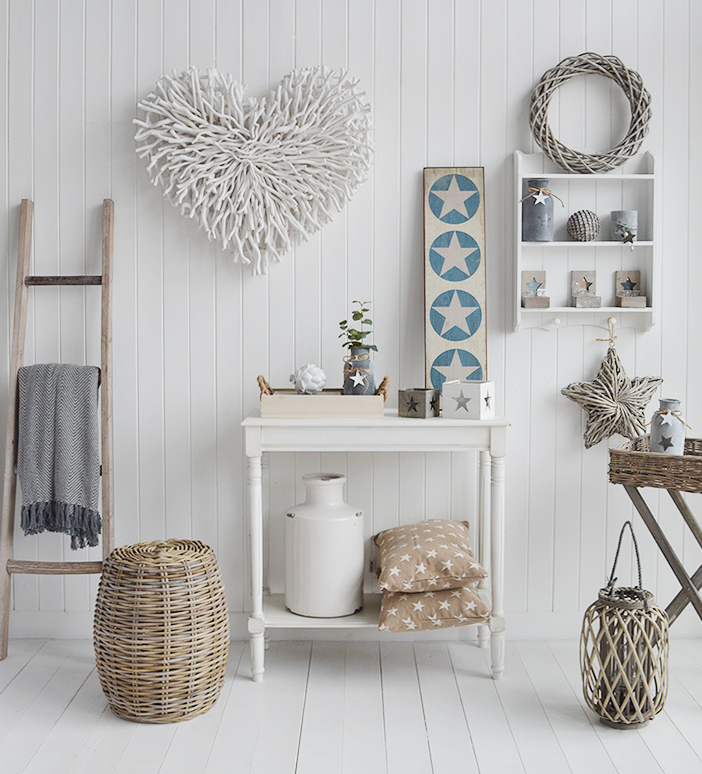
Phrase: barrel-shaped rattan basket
x=161 y=632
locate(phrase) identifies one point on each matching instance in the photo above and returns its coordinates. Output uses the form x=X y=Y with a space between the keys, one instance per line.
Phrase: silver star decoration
x=613 y=402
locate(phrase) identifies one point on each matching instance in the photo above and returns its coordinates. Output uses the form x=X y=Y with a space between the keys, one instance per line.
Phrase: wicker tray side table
x=161 y=632
x=634 y=466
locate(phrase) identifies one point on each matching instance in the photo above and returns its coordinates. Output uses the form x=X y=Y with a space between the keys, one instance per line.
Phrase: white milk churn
x=324 y=558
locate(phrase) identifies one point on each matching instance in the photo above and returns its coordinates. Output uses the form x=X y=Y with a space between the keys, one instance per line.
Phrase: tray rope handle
x=383 y=388
x=263 y=385
x=612 y=580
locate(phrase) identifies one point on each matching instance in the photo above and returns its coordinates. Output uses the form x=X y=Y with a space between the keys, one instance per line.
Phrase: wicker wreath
x=590 y=64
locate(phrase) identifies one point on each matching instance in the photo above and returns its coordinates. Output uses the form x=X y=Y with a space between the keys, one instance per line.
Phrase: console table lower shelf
x=263 y=435
x=277 y=616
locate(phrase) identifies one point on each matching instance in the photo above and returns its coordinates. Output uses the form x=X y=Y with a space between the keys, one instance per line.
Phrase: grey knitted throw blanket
x=58 y=454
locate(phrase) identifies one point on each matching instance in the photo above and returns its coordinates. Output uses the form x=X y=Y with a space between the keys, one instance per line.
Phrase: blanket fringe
x=84 y=525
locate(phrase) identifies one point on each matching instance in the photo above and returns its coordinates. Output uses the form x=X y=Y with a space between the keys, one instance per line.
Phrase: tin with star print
x=468 y=400
x=668 y=428
x=537 y=212
x=419 y=403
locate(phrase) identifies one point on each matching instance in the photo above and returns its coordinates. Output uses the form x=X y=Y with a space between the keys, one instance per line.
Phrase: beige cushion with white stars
x=427 y=556
x=431 y=610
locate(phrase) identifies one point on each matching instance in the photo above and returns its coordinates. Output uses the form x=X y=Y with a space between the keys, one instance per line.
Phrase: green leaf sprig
x=355 y=332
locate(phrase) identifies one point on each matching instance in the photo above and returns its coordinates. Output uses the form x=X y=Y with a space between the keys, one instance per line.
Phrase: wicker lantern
x=624 y=653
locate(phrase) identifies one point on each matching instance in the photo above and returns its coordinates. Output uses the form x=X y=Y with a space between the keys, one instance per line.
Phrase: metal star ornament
x=613 y=402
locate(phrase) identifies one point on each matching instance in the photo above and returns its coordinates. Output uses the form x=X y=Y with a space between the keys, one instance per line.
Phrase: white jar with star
x=668 y=428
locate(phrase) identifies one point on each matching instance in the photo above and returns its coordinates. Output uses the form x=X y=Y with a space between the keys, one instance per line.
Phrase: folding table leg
x=676 y=565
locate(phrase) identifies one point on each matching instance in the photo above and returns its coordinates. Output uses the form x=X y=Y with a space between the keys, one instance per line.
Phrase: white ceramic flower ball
x=308 y=379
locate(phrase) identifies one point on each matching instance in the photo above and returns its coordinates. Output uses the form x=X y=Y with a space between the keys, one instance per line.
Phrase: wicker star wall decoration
x=613 y=402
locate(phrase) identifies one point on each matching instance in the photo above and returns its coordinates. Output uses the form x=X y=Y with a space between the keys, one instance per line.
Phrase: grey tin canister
x=537 y=216
x=668 y=429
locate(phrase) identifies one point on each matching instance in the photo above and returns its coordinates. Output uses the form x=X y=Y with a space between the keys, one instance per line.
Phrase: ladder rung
x=53 y=568
x=66 y=280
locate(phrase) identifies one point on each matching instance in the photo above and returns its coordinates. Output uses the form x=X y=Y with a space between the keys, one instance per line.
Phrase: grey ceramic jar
x=537 y=214
x=359 y=372
x=668 y=430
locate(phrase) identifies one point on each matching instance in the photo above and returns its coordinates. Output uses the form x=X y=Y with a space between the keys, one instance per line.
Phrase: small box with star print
x=419 y=403
x=468 y=400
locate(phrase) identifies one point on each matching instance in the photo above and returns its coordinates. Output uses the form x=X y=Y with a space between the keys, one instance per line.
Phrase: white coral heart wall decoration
x=258 y=175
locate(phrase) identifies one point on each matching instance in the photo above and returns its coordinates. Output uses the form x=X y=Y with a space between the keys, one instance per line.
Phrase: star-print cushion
x=431 y=610
x=427 y=556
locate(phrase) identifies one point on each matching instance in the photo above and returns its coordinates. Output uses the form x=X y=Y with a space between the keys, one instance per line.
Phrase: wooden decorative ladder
x=9 y=565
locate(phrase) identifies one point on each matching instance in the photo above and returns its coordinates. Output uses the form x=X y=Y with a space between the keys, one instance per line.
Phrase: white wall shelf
x=632 y=186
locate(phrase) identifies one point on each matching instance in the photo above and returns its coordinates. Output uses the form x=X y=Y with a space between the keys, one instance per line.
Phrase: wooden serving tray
x=634 y=464
x=330 y=404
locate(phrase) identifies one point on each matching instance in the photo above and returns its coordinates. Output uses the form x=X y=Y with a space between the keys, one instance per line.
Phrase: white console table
x=389 y=434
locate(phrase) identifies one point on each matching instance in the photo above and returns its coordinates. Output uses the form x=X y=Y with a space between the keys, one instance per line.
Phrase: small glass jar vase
x=668 y=429
x=359 y=372
x=537 y=212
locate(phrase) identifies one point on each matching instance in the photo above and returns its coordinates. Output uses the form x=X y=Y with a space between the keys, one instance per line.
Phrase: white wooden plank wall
x=449 y=82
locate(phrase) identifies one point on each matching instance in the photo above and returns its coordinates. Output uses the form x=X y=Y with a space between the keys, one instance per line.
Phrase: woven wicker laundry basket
x=161 y=632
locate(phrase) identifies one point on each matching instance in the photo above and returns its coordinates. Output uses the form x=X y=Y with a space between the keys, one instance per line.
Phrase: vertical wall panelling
x=20 y=184
x=176 y=232
x=73 y=325
x=125 y=176
x=7 y=222
x=449 y=83
x=150 y=297
x=677 y=132
x=229 y=486
x=204 y=258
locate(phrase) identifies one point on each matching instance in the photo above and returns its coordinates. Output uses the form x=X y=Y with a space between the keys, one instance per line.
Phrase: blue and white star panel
x=454 y=275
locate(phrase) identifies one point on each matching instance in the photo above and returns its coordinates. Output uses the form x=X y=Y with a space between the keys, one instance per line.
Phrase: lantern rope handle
x=612 y=579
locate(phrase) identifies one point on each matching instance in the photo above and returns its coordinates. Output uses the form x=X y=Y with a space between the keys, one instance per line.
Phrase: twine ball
x=588 y=63
x=583 y=226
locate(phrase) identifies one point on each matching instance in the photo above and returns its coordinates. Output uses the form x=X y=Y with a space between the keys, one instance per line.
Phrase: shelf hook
x=611 y=322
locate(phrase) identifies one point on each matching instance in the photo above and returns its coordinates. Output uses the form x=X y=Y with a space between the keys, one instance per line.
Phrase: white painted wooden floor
x=357 y=708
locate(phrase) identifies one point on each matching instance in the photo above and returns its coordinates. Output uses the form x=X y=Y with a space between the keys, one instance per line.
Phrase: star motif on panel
x=454 y=256
x=455 y=315
x=455 y=364
x=614 y=403
x=454 y=199
x=488 y=398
